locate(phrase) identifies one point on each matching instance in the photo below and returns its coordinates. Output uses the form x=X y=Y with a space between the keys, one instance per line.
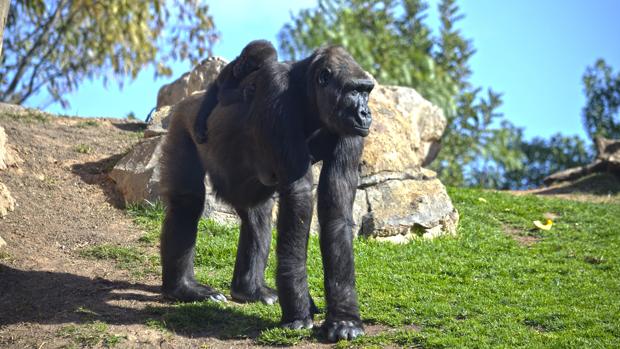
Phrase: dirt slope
x=51 y=296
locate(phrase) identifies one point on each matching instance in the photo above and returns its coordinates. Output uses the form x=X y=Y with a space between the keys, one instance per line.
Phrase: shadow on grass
x=63 y=298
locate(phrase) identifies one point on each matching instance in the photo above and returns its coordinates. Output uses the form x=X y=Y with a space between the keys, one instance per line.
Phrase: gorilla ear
x=324 y=76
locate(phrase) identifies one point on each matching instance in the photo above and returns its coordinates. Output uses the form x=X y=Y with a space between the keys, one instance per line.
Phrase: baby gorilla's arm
x=232 y=95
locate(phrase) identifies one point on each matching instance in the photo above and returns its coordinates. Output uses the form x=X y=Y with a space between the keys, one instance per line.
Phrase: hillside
x=79 y=270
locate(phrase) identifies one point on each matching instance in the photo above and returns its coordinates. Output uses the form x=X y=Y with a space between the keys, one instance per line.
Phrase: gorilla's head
x=340 y=88
x=253 y=56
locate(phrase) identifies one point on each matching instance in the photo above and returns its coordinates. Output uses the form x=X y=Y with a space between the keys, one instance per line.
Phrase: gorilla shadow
x=57 y=298
x=96 y=172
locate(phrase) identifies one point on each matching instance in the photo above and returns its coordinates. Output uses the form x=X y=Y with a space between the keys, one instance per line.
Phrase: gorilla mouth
x=362 y=131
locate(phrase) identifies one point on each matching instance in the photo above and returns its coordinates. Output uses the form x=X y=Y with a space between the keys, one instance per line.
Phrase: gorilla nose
x=364 y=118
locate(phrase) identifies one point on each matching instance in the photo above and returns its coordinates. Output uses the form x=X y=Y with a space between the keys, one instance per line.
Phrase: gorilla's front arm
x=336 y=193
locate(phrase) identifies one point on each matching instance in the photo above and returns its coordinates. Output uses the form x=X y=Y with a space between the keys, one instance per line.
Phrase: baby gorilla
x=225 y=90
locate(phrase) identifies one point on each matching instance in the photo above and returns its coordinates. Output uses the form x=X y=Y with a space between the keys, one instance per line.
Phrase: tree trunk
x=4 y=12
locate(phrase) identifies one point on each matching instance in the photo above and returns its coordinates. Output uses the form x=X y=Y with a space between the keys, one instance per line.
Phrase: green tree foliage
x=388 y=38
x=391 y=40
x=54 y=45
x=544 y=157
x=601 y=115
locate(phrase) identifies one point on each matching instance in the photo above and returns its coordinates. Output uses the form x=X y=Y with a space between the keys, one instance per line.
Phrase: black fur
x=226 y=90
x=312 y=110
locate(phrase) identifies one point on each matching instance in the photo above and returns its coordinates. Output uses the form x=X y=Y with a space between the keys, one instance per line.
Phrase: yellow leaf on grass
x=546 y=226
x=482 y=200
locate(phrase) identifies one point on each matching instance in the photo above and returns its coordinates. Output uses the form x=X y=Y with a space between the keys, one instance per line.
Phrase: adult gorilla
x=312 y=110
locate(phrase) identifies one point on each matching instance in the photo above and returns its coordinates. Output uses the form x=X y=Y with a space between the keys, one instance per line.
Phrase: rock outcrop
x=406 y=130
x=607 y=160
x=4 y=156
x=8 y=158
x=137 y=173
x=608 y=150
x=173 y=92
x=7 y=203
x=397 y=199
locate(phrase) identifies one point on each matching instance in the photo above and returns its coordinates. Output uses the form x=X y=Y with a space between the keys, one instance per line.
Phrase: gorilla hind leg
x=177 y=252
x=248 y=283
x=184 y=193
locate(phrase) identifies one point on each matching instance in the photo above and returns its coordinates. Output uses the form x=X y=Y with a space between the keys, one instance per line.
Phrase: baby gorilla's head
x=252 y=57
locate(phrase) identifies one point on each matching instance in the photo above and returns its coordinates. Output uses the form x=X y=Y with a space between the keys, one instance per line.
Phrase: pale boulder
x=137 y=174
x=173 y=92
x=7 y=202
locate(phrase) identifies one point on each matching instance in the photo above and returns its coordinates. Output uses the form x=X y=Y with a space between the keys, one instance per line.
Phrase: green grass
x=94 y=334
x=83 y=148
x=4 y=255
x=28 y=116
x=480 y=289
x=87 y=123
x=126 y=257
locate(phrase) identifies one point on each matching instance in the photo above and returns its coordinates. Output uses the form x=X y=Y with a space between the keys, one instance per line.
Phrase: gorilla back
x=312 y=110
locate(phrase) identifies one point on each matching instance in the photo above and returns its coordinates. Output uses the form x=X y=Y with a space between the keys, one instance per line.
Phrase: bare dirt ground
x=51 y=296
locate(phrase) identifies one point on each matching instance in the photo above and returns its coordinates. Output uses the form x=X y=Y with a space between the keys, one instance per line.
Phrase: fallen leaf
x=482 y=200
x=541 y=226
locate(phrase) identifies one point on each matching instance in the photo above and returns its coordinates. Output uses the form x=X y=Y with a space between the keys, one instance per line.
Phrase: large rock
x=396 y=200
x=173 y=92
x=158 y=122
x=198 y=79
x=8 y=158
x=418 y=206
x=201 y=77
x=3 y=150
x=608 y=150
x=607 y=160
x=137 y=173
x=405 y=133
x=137 y=179
x=7 y=203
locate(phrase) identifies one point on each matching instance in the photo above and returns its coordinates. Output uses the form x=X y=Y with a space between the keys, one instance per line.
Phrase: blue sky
x=534 y=52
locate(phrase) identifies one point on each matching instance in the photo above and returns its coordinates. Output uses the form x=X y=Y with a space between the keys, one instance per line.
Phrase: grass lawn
x=499 y=283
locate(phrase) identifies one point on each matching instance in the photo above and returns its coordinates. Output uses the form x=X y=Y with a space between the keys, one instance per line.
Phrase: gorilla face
x=341 y=89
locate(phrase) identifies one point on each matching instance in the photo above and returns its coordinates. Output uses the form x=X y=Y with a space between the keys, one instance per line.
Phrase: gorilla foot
x=193 y=291
x=346 y=329
x=263 y=294
x=306 y=323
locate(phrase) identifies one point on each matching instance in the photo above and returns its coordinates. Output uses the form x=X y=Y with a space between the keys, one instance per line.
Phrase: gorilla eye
x=324 y=76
